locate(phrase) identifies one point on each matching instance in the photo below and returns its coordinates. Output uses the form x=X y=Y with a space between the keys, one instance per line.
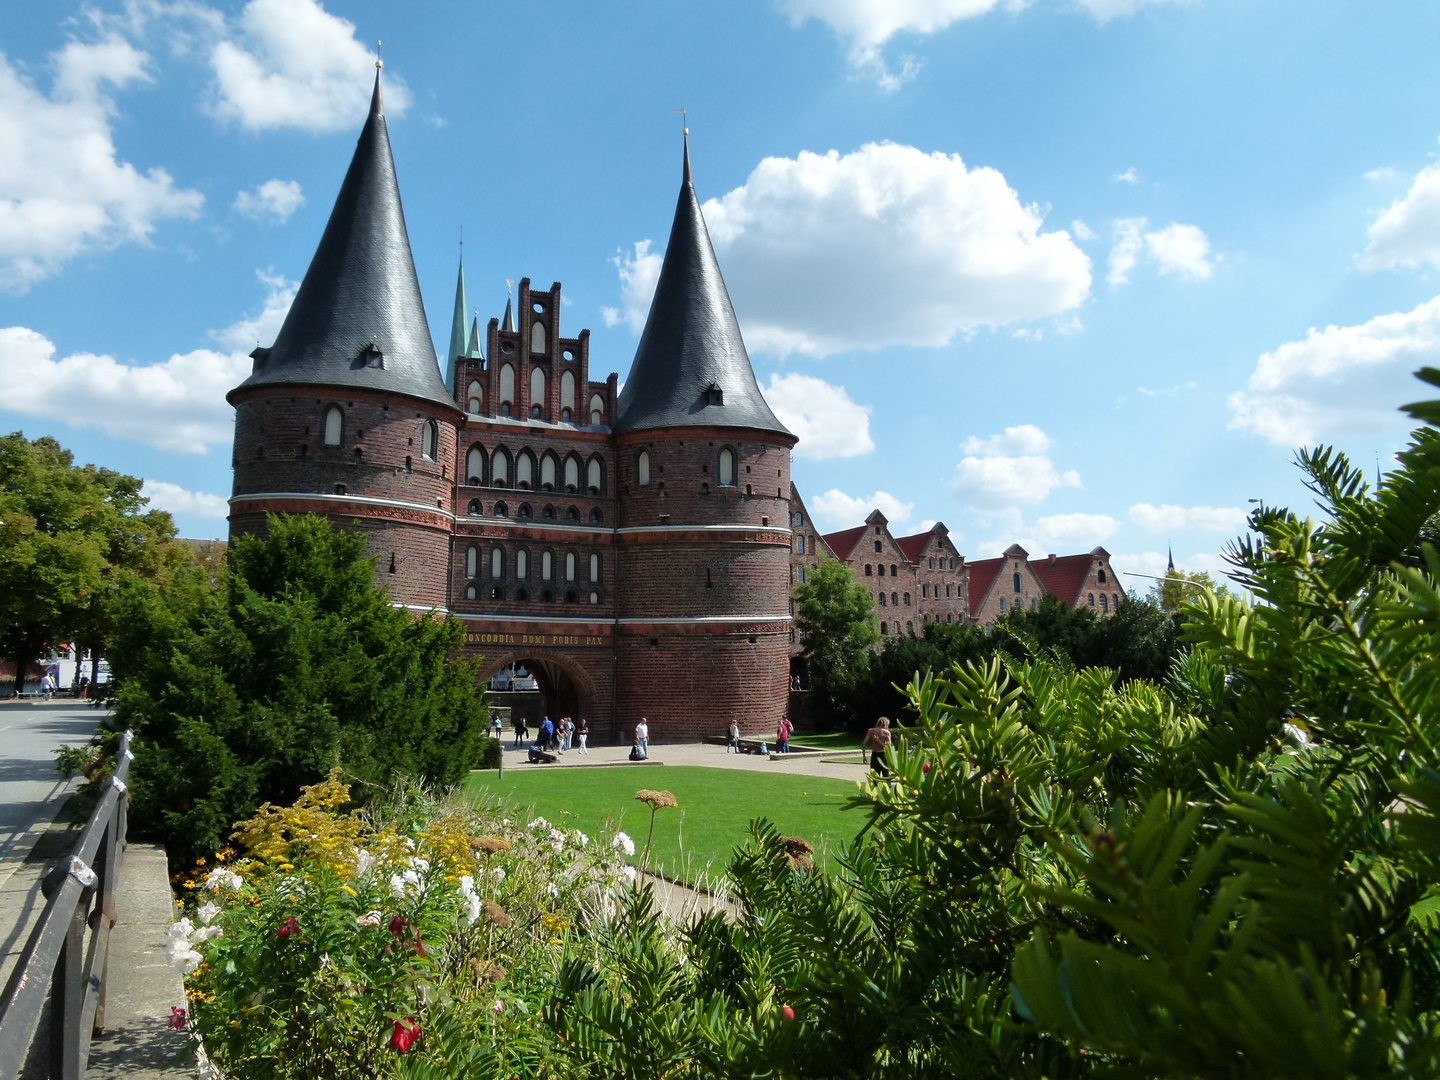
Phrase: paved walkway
x=839 y=765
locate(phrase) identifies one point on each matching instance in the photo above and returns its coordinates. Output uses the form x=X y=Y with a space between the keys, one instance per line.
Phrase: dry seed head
x=496 y=914
x=490 y=845
x=656 y=799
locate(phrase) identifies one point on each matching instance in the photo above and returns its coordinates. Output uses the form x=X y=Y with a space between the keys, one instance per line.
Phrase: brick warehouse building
x=637 y=540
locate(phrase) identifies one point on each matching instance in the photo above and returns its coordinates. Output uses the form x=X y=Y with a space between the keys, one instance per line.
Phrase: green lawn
x=714 y=814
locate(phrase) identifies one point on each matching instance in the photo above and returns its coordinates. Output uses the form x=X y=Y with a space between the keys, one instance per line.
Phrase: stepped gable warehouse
x=603 y=540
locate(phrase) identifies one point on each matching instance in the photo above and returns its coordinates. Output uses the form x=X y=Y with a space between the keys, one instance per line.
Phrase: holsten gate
x=631 y=549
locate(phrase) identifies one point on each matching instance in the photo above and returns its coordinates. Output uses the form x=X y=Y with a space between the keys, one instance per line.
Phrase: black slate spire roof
x=691 y=368
x=358 y=321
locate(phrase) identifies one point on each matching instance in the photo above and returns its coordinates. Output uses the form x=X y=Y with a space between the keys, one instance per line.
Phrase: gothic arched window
x=507 y=386
x=642 y=469
x=334 y=422
x=727 y=467
x=475 y=397
x=537 y=337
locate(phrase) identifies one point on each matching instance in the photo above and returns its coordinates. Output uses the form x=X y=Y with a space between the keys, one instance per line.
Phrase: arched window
x=522 y=594
x=570 y=566
x=952 y=564
x=880 y=600
x=802 y=575
x=473 y=510
x=642 y=469
x=597 y=409
x=470 y=592
x=475 y=397
x=547 y=471
x=727 y=467
x=524 y=470
x=472 y=561
x=497 y=593
x=907 y=599
x=1104 y=602
x=1115 y=600
x=894 y=600
x=497 y=563
x=892 y=569
x=932 y=562
x=507 y=387
x=869 y=570
x=882 y=629
x=334 y=421
x=1100 y=577
x=567 y=390
x=522 y=564
x=593 y=477
x=547 y=565
x=548 y=513
x=570 y=597
x=800 y=545
x=924 y=592
x=1002 y=605
x=595 y=516
x=1092 y=599
x=572 y=473
x=523 y=512
x=1017 y=582
x=501 y=510
x=594 y=597
x=594 y=567
x=909 y=628
x=500 y=468
x=537 y=389
x=537 y=337
x=429 y=436
x=475 y=466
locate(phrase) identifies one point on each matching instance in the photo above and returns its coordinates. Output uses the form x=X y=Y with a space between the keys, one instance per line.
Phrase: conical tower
x=347 y=414
x=457 y=329
x=703 y=510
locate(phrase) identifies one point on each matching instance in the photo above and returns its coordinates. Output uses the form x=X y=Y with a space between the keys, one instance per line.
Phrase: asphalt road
x=31 y=791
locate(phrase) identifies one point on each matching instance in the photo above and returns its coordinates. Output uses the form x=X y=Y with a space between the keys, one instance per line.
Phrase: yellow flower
x=287 y=866
x=348 y=889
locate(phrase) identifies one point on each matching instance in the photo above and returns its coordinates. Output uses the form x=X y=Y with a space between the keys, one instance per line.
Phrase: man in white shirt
x=642 y=736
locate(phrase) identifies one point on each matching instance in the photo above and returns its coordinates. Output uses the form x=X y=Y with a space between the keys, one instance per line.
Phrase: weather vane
x=508 y=282
x=685 y=122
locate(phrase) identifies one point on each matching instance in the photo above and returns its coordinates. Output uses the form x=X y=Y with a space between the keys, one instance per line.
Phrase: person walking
x=878 y=738
x=47 y=685
x=547 y=734
x=569 y=736
x=582 y=733
x=732 y=738
x=782 y=735
x=642 y=737
x=522 y=730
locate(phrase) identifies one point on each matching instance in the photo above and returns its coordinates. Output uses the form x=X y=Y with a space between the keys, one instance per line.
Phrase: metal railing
x=61 y=958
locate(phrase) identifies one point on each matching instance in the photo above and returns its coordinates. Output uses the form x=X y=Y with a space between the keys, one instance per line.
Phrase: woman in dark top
x=582 y=732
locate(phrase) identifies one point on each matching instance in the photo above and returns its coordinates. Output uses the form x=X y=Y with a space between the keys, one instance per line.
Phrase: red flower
x=397 y=925
x=177 y=1018
x=925 y=768
x=288 y=929
x=404 y=1036
x=787 y=1012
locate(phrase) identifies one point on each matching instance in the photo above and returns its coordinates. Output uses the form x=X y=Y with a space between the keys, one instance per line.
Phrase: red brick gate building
x=632 y=550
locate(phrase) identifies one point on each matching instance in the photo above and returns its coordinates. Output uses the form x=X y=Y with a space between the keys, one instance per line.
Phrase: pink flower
x=177 y=1018
x=499 y=1007
x=925 y=768
x=288 y=929
x=787 y=1012
x=405 y=1033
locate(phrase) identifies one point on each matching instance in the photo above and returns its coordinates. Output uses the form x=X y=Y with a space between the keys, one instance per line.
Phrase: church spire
x=357 y=319
x=472 y=351
x=457 y=327
x=508 y=323
x=691 y=368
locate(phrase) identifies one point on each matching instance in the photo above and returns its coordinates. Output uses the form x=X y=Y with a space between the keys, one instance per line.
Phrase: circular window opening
x=539 y=308
x=507 y=348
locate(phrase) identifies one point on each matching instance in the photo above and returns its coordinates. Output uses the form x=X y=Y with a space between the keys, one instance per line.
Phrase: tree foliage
x=833 y=612
x=243 y=692
x=67 y=533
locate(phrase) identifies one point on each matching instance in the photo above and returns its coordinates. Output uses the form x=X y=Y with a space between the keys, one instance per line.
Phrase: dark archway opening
x=546 y=688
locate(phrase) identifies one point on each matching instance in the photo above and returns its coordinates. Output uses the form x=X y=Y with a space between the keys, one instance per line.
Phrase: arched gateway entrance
x=562 y=688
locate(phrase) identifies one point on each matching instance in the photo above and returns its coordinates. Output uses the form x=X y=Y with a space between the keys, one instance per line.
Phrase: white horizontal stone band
x=368 y=500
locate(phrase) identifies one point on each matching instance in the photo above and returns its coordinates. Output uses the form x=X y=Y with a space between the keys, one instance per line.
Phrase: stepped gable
x=358 y=320
x=842 y=543
x=1064 y=575
x=691 y=368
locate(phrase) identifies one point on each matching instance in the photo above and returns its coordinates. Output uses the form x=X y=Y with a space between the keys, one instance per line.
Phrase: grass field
x=714 y=814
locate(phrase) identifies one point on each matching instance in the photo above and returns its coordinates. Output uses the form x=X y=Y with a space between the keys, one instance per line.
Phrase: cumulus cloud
x=639 y=274
x=1407 y=233
x=272 y=202
x=1009 y=470
x=1383 y=173
x=1177 y=249
x=177 y=500
x=62 y=190
x=177 y=405
x=1129 y=176
x=842 y=511
x=827 y=422
x=290 y=63
x=1105 y=10
x=894 y=246
x=1138 y=565
x=1343 y=380
x=1058 y=532
x=1168 y=518
x=1081 y=230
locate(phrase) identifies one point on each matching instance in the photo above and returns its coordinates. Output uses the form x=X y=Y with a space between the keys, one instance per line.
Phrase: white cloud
x=292 y=64
x=1061 y=531
x=176 y=405
x=246 y=334
x=62 y=191
x=175 y=499
x=272 y=202
x=893 y=246
x=1129 y=176
x=1343 y=380
x=1136 y=567
x=827 y=422
x=1081 y=230
x=1383 y=173
x=639 y=274
x=1126 y=249
x=1009 y=470
x=928 y=524
x=843 y=511
x=1105 y=10
x=1408 y=232
x=1179 y=249
x=1168 y=518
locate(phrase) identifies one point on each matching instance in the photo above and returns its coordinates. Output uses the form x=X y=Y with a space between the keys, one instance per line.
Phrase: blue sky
x=1066 y=272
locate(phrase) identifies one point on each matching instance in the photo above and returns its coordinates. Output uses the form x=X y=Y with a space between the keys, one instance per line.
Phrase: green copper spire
x=457 y=329
x=472 y=351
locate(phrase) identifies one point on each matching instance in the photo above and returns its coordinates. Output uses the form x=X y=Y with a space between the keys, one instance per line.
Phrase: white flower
x=364 y=863
x=504 y=821
x=420 y=864
x=539 y=823
x=220 y=878
x=183 y=957
x=497 y=875
x=628 y=873
x=554 y=889
x=467 y=884
x=583 y=839
x=405 y=884
x=207 y=912
x=181 y=931
x=556 y=834
x=209 y=933
x=472 y=909
x=410 y=843
x=623 y=843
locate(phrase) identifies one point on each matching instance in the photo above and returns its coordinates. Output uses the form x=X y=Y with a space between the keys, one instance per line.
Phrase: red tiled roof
x=842 y=543
x=1064 y=577
x=982 y=573
x=913 y=546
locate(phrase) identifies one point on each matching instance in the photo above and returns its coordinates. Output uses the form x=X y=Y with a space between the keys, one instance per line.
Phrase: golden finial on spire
x=684 y=121
x=508 y=283
x=378 y=62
